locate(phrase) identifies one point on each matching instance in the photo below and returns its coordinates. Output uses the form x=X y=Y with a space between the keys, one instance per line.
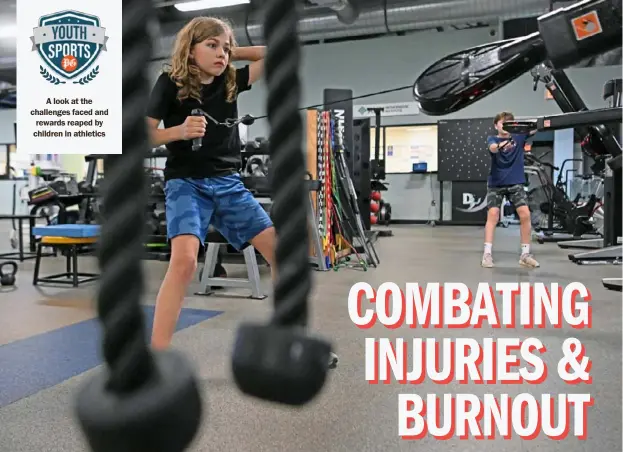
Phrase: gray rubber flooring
x=350 y=415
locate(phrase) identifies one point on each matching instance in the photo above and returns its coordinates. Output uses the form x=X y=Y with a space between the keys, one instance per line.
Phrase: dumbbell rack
x=156 y=245
x=163 y=252
x=257 y=181
x=256 y=152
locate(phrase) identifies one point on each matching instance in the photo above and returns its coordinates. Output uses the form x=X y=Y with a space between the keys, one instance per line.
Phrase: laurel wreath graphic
x=49 y=77
x=88 y=78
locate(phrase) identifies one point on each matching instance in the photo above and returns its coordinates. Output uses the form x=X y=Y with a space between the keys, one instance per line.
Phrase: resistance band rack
x=336 y=205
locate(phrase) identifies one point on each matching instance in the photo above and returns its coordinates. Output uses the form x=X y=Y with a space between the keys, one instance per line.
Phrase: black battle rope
x=289 y=209
x=279 y=361
x=121 y=241
x=141 y=401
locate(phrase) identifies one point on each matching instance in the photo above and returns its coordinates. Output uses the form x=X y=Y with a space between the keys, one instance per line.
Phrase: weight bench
x=69 y=237
x=214 y=242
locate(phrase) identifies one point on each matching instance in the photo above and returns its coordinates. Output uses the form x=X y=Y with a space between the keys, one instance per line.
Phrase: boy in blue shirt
x=507 y=179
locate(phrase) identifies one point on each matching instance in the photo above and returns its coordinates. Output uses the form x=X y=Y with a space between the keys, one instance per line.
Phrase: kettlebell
x=7 y=278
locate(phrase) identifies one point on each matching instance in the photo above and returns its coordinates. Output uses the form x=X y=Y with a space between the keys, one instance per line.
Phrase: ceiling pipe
x=395 y=16
x=347 y=12
x=386 y=18
x=8 y=63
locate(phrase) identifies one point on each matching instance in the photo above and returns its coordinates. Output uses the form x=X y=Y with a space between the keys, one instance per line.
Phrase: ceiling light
x=207 y=4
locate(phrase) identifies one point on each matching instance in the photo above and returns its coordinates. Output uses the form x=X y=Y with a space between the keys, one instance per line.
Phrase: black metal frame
x=613 y=177
x=359 y=159
x=612 y=183
x=72 y=276
x=585 y=123
x=21 y=254
x=580 y=118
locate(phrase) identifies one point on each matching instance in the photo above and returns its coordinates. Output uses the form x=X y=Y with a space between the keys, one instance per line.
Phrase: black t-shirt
x=220 y=151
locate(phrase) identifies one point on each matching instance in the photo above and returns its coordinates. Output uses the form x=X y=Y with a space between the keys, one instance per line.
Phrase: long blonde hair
x=184 y=72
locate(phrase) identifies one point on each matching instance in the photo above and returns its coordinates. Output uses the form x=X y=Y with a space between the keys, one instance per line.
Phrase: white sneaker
x=528 y=261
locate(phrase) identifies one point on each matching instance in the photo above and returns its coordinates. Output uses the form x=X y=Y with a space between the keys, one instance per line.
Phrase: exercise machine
x=566 y=219
x=598 y=141
x=565 y=37
x=608 y=248
x=348 y=192
x=612 y=249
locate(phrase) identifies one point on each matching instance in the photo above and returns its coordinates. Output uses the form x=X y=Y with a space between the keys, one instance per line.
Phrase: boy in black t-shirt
x=203 y=187
x=507 y=178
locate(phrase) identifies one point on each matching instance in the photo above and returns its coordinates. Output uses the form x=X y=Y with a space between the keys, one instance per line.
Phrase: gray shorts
x=514 y=193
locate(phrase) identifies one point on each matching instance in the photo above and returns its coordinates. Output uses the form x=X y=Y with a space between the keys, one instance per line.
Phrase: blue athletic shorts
x=192 y=205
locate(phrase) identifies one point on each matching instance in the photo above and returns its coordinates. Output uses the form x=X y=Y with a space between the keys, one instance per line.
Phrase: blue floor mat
x=29 y=365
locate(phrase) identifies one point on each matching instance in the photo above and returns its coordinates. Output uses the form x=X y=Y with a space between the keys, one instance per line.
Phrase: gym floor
x=49 y=344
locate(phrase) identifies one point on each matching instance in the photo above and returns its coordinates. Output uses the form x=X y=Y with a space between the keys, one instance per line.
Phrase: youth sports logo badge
x=69 y=43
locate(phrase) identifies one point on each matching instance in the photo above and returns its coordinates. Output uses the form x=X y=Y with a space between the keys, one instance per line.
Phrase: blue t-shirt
x=507 y=165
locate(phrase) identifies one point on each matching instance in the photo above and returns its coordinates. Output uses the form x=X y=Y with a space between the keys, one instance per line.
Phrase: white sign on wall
x=389 y=109
x=73 y=104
